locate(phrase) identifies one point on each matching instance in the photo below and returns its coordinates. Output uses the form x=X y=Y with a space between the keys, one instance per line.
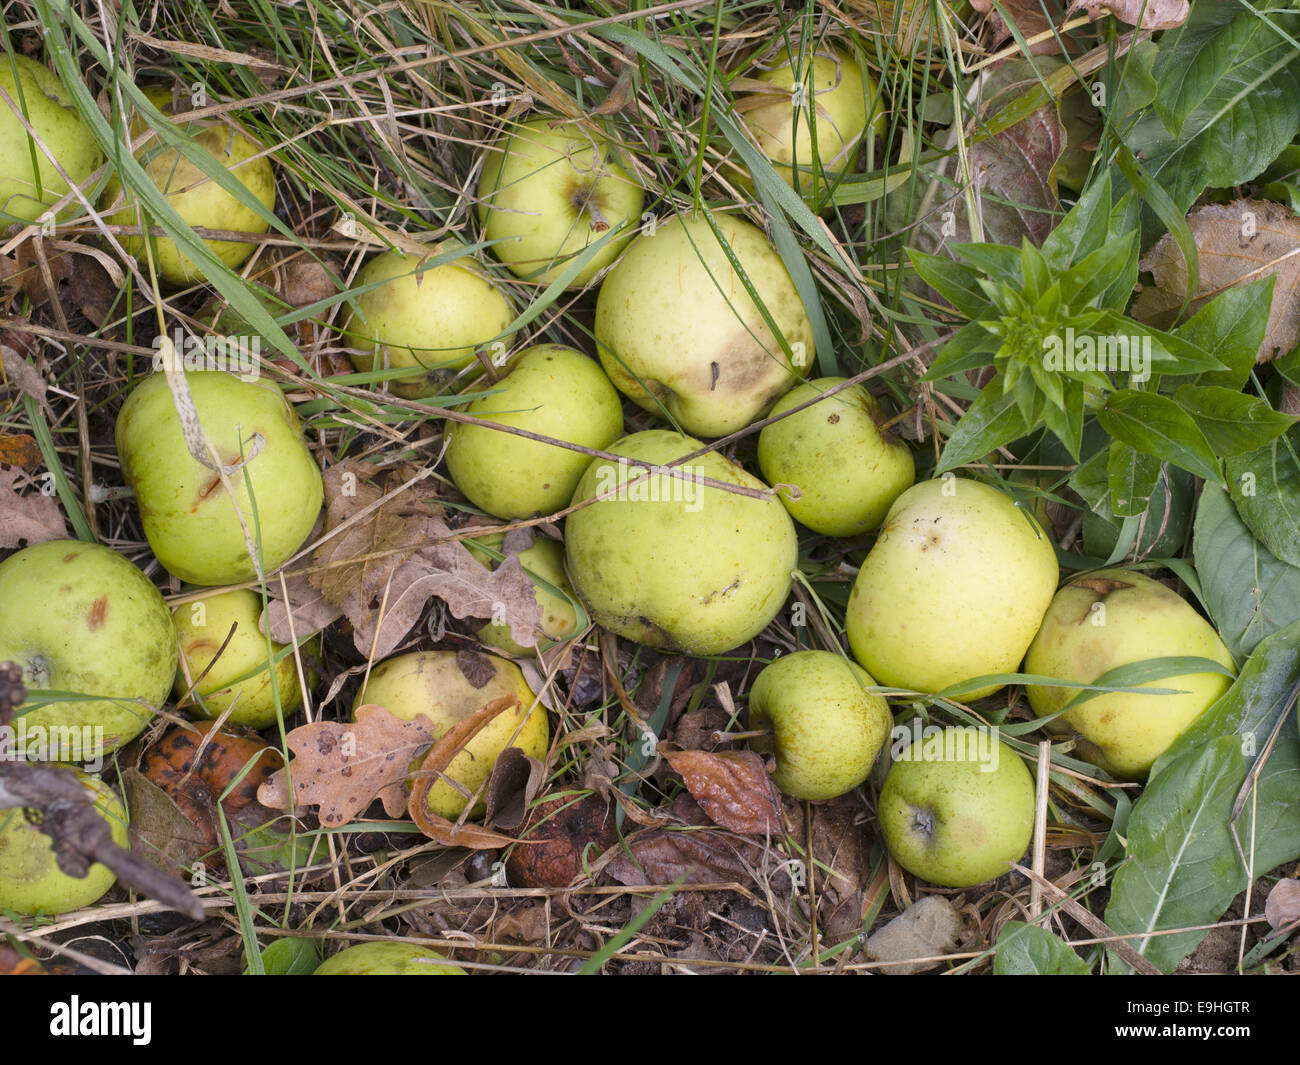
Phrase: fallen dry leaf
x=732 y=787
x=22 y=375
x=926 y=929
x=1241 y=241
x=19 y=449
x=342 y=768
x=1283 y=906
x=1154 y=14
x=840 y=851
x=703 y=854
x=27 y=519
x=511 y=788
x=528 y=924
x=1028 y=18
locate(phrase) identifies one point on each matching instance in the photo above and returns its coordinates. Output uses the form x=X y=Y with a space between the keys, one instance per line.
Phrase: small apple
x=80 y=618
x=679 y=334
x=189 y=518
x=957 y=807
x=550 y=390
x=550 y=190
x=954 y=588
x=31 y=881
x=26 y=192
x=849 y=470
x=827 y=90
x=671 y=562
x=827 y=726
x=447 y=687
x=543 y=561
x=388 y=959
x=241 y=677
x=199 y=200
x=1109 y=618
x=432 y=317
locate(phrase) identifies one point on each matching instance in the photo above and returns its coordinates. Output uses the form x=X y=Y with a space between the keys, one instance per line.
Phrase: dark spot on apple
x=71 y=555
x=832 y=419
x=715 y=370
x=206 y=490
x=95 y=619
x=546 y=486
x=923 y=822
x=64 y=589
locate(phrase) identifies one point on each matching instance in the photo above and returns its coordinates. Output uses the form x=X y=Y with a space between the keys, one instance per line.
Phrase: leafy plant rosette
x=1051 y=323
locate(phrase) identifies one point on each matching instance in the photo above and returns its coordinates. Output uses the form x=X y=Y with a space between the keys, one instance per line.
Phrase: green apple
x=388 y=959
x=954 y=588
x=27 y=191
x=433 y=683
x=199 y=200
x=671 y=562
x=433 y=317
x=241 y=677
x=547 y=192
x=679 y=334
x=31 y=881
x=849 y=470
x=1108 y=619
x=809 y=114
x=543 y=561
x=957 y=806
x=550 y=390
x=189 y=519
x=827 y=728
x=80 y=618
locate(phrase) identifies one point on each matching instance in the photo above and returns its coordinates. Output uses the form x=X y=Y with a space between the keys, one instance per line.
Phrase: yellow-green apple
x=79 y=618
x=954 y=588
x=30 y=878
x=550 y=390
x=197 y=198
x=1107 y=619
x=447 y=688
x=29 y=182
x=827 y=726
x=219 y=634
x=679 y=334
x=427 y=318
x=548 y=191
x=388 y=959
x=189 y=518
x=957 y=806
x=672 y=562
x=543 y=562
x=809 y=115
x=848 y=469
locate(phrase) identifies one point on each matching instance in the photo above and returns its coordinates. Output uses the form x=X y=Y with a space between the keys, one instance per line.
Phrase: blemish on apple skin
x=71 y=556
x=95 y=619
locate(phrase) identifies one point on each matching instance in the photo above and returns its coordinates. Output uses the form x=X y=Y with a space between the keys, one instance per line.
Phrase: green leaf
x=1182 y=868
x=1132 y=477
x=1275 y=838
x=970 y=348
x=991 y=421
x=1156 y=425
x=1234 y=423
x=1084 y=228
x=1248 y=591
x=1091 y=479
x=956 y=282
x=994 y=260
x=1231 y=328
x=1027 y=950
x=1087 y=280
x=1265 y=487
x=291 y=957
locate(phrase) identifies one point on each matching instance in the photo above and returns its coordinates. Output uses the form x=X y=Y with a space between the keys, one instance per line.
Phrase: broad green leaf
x=1027 y=950
x=1235 y=423
x=1275 y=838
x=1084 y=228
x=1155 y=425
x=1231 y=328
x=291 y=957
x=1248 y=591
x=971 y=347
x=1132 y=477
x=1091 y=480
x=1265 y=488
x=991 y=421
x=994 y=260
x=956 y=282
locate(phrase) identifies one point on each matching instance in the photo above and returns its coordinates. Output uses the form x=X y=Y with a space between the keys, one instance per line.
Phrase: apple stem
x=599 y=223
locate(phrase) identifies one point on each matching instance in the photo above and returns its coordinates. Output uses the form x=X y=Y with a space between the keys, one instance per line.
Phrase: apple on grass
x=957 y=807
x=1107 y=619
x=27 y=192
x=679 y=334
x=189 y=518
x=548 y=191
x=31 y=881
x=827 y=726
x=848 y=469
x=241 y=677
x=954 y=588
x=435 y=684
x=388 y=959
x=429 y=317
x=672 y=562
x=80 y=618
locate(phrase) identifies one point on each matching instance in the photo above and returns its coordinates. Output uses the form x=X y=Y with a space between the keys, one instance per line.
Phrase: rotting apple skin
x=79 y=617
x=950 y=822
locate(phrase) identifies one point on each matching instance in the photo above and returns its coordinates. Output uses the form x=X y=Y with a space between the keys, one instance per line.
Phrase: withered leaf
x=529 y=924
x=926 y=929
x=27 y=519
x=513 y=784
x=1028 y=18
x=732 y=787
x=1154 y=14
x=382 y=570
x=342 y=768
x=19 y=449
x=475 y=668
x=161 y=833
x=840 y=846
x=702 y=856
x=1241 y=241
x=1283 y=905
x=22 y=375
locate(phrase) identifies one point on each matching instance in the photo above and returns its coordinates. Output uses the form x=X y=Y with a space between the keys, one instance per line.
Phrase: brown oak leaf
x=1153 y=14
x=27 y=519
x=732 y=787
